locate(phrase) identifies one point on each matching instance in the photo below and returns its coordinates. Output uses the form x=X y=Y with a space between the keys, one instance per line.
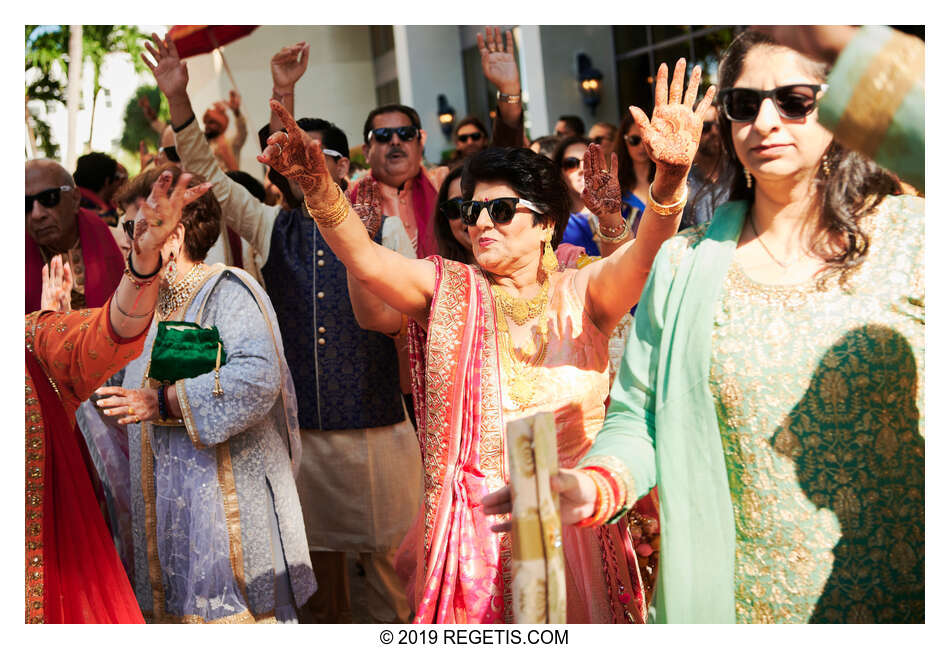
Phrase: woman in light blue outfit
x=217 y=530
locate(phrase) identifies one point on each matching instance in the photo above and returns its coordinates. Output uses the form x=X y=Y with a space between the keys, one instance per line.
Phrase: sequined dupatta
x=452 y=560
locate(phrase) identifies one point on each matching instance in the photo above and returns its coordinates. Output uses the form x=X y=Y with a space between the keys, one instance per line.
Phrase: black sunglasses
x=707 y=126
x=47 y=198
x=384 y=135
x=452 y=208
x=599 y=140
x=794 y=101
x=501 y=210
x=569 y=163
x=129 y=228
x=474 y=137
x=171 y=153
x=633 y=140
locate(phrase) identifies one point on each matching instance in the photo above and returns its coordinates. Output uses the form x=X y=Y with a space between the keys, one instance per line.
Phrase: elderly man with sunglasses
x=57 y=225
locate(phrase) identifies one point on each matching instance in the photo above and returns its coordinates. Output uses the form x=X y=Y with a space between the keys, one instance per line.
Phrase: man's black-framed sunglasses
x=632 y=140
x=47 y=198
x=171 y=153
x=385 y=134
x=793 y=101
x=452 y=208
x=501 y=210
x=474 y=137
x=128 y=227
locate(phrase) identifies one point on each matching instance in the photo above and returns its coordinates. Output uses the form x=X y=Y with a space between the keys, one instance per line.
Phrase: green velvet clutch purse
x=184 y=350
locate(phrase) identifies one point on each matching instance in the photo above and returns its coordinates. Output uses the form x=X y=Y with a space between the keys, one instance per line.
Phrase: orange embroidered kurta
x=73 y=573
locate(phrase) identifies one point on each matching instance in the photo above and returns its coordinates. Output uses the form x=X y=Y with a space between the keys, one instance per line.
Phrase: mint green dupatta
x=662 y=423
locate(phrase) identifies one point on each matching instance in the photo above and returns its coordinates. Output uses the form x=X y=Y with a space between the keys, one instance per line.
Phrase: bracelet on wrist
x=668 y=209
x=508 y=99
x=162 y=406
x=603 y=232
x=139 y=280
x=332 y=215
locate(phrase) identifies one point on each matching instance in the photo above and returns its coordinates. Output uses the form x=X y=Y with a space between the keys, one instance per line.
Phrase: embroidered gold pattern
x=819 y=396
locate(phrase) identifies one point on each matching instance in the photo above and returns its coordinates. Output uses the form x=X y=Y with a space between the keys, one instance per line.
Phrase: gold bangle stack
x=666 y=210
x=624 y=231
x=332 y=215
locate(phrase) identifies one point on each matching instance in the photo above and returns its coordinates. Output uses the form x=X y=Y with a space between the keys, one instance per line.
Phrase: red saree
x=73 y=572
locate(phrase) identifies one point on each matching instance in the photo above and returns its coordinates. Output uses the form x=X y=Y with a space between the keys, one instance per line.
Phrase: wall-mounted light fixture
x=589 y=82
x=446 y=116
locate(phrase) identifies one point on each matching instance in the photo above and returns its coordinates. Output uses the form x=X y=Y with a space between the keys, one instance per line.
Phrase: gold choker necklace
x=179 y=293
x=521 y=370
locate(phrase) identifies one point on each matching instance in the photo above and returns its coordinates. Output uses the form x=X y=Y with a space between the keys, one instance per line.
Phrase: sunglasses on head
x=632 y=140
x=794 y=101
x=570 y=163
x=47 y=198
x=384 y=135
x=452 y=208
x=171 y=153
x=474 y=137
x=501 y=210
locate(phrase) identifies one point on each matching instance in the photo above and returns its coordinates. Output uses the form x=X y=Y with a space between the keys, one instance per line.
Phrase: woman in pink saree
x=506 y=337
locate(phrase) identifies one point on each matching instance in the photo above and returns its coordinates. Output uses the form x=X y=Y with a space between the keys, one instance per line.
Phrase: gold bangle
x=624 y=230
x=333 y=215
x=666 y=210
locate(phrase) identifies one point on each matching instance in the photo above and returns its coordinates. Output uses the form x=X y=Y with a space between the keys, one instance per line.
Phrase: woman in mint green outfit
x=774 y=388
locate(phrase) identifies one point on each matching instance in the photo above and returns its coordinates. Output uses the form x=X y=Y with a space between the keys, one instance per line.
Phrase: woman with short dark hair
x=507 y=337
x=218 y=533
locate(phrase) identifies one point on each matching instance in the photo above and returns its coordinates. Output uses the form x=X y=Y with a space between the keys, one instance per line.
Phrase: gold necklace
x=179 y=293
x=783 y=265
x=521 y=373
x=520 y=309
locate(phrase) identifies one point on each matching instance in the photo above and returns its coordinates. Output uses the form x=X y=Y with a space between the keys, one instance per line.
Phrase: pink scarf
x=453 y=563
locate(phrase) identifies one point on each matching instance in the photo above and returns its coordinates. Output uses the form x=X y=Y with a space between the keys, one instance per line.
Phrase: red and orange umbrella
x=191 y=40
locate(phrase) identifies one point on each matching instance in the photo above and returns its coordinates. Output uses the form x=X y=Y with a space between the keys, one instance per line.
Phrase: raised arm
x=602 y=196
x=251 y=219
x=613 y=285
x=501 y=70
x=286 y=68
x=405 y=284
x=240 y=125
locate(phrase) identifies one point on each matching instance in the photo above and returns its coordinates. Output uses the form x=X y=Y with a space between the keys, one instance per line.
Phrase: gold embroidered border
x=34 y=492
x=619 y=472
x=232 y=515
x=877 y=96
x=186 y=415
x=244 y=617
x=151 y=526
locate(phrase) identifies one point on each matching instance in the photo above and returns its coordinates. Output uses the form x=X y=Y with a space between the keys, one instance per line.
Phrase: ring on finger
x=280 y=148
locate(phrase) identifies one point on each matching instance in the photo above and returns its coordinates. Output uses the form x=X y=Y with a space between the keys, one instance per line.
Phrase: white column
x=532 y=81
x=73 y=87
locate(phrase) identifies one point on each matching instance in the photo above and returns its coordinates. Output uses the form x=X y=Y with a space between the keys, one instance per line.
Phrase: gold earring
x=549 y=260
x=748 y=177
x=825 y=166
x=171 y=271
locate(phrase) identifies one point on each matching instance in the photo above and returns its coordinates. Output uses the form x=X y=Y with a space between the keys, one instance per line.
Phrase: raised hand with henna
x=297 y=157
x=368 y=204
x=169 y=70
x=671 y=136
x=602 y=195
x=158 y=216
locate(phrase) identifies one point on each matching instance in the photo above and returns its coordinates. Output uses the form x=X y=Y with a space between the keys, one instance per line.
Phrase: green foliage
x=137 y=127
x=44 y=139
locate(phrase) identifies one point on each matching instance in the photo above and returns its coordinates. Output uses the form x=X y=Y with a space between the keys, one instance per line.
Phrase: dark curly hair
x=449 y=246
x=532 y=177
x=852 y=190
x=94 y=170
x=201 y=218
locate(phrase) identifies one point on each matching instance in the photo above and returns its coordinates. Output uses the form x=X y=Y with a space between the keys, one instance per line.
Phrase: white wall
x=429 y=63
x=338 y=85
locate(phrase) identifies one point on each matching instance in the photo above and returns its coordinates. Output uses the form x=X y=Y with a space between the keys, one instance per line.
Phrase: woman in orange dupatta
x=506 y=337
x=73 y=572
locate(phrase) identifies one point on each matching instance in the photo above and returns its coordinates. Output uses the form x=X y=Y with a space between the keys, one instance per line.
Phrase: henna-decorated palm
x=498 y=60
x=170 y=72
x=159 y=215
x=297 y=157
x=672 y=135
x=602 y=195
x=368 y=204
x=289 y=64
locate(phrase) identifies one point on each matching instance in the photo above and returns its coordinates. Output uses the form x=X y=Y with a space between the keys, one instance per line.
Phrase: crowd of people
x=234 y=389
